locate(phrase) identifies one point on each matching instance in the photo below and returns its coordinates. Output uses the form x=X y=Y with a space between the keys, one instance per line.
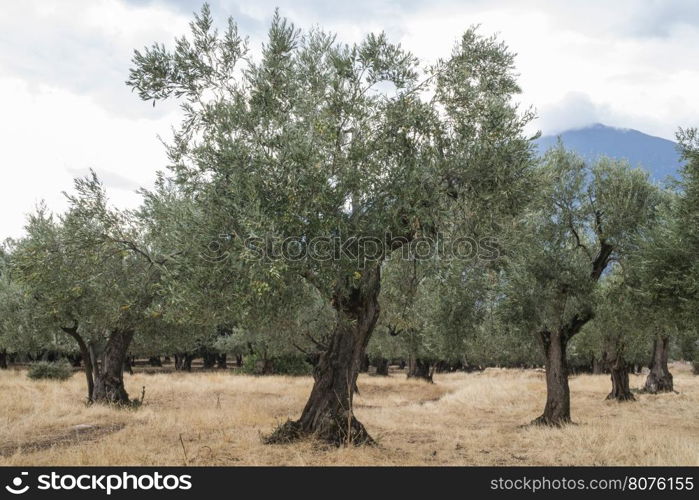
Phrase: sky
x=65 y=108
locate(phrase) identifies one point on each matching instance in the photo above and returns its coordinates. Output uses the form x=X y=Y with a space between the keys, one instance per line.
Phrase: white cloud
x=54 y=135
x=65 y=108
x=575 y=110
x=84 y=46
x=593 y=48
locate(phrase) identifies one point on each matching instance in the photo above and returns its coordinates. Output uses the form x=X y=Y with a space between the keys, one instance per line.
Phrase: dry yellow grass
x=463 y=419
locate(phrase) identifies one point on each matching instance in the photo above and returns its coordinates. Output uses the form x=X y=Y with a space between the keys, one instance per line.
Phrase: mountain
x=655 y=154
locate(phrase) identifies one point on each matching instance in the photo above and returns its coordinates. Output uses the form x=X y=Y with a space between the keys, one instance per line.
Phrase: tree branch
x=317 y=343
x=601 y=260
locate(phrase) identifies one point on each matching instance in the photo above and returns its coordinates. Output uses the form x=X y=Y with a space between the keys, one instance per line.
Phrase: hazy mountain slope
x=657 y=155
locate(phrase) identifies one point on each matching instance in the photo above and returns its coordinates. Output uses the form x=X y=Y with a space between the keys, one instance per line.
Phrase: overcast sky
x=65 y=108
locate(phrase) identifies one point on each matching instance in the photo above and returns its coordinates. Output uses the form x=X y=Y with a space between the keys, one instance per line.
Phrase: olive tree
x=90 y=274
x=20 y=332
x=587 y=217
x=316 y=143
x=668 y=274
x=621 y=330
x=405 y=303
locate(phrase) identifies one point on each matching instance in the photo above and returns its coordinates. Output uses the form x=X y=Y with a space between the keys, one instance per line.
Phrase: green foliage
x=503 y=348
x=21 y=329
x=668 y=272
x=89 y=269
x=288 y=364
x=317 y=140
x=588 y=217
x=49 y=370
x=622 y=327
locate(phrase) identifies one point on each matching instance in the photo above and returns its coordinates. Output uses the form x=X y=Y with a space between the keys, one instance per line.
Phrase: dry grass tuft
x=462 y=419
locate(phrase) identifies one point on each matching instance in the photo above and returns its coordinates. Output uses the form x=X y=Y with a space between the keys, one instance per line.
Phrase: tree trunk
x=209 y=360
x=263 y=366
x=557 y=409
x=87 y=356
x=659 y=379
x=183 y=361
x=364 y=367
x=109 y=382
x=598 y=366
x=222 y=361
x=187 y=362
x=620 y=379
x=419 y=368
x=155 y=361
x=3 y=359
x=381 y=366
x=328 y=413
x=695 y=367
x=238 y=360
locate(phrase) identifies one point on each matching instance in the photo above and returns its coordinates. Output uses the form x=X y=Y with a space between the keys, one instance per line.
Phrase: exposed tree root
x=335 y=431
x=288 y=432
x=621 y=397
x=656 y=383
x=552 y=422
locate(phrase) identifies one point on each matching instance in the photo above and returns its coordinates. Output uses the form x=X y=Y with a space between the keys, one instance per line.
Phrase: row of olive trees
x=298 y=183
x=579 y=260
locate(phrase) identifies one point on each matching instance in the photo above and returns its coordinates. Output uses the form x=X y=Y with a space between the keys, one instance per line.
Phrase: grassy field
x=463 y=419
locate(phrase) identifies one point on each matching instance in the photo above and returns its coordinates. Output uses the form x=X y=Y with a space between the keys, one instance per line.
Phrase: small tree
x=404 y=319
x=620 y=329
x=20 y=329
x=90 y=275
x=667 y=274
x=587 y=217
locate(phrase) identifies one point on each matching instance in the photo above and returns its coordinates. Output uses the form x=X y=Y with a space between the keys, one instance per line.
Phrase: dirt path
x=72 y=436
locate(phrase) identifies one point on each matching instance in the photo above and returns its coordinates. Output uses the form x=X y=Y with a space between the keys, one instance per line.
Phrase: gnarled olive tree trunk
x=600 y=364
x=659 y=379
x=109 y=376
x=209 y=360
x=620 y=378
x=381 y=365
x=328 y=413
x=222 y=361
x=183 y=361
x=557 y=409
x=364 y=367
x=3 y=359
x=420 y=368
x=554 y=344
